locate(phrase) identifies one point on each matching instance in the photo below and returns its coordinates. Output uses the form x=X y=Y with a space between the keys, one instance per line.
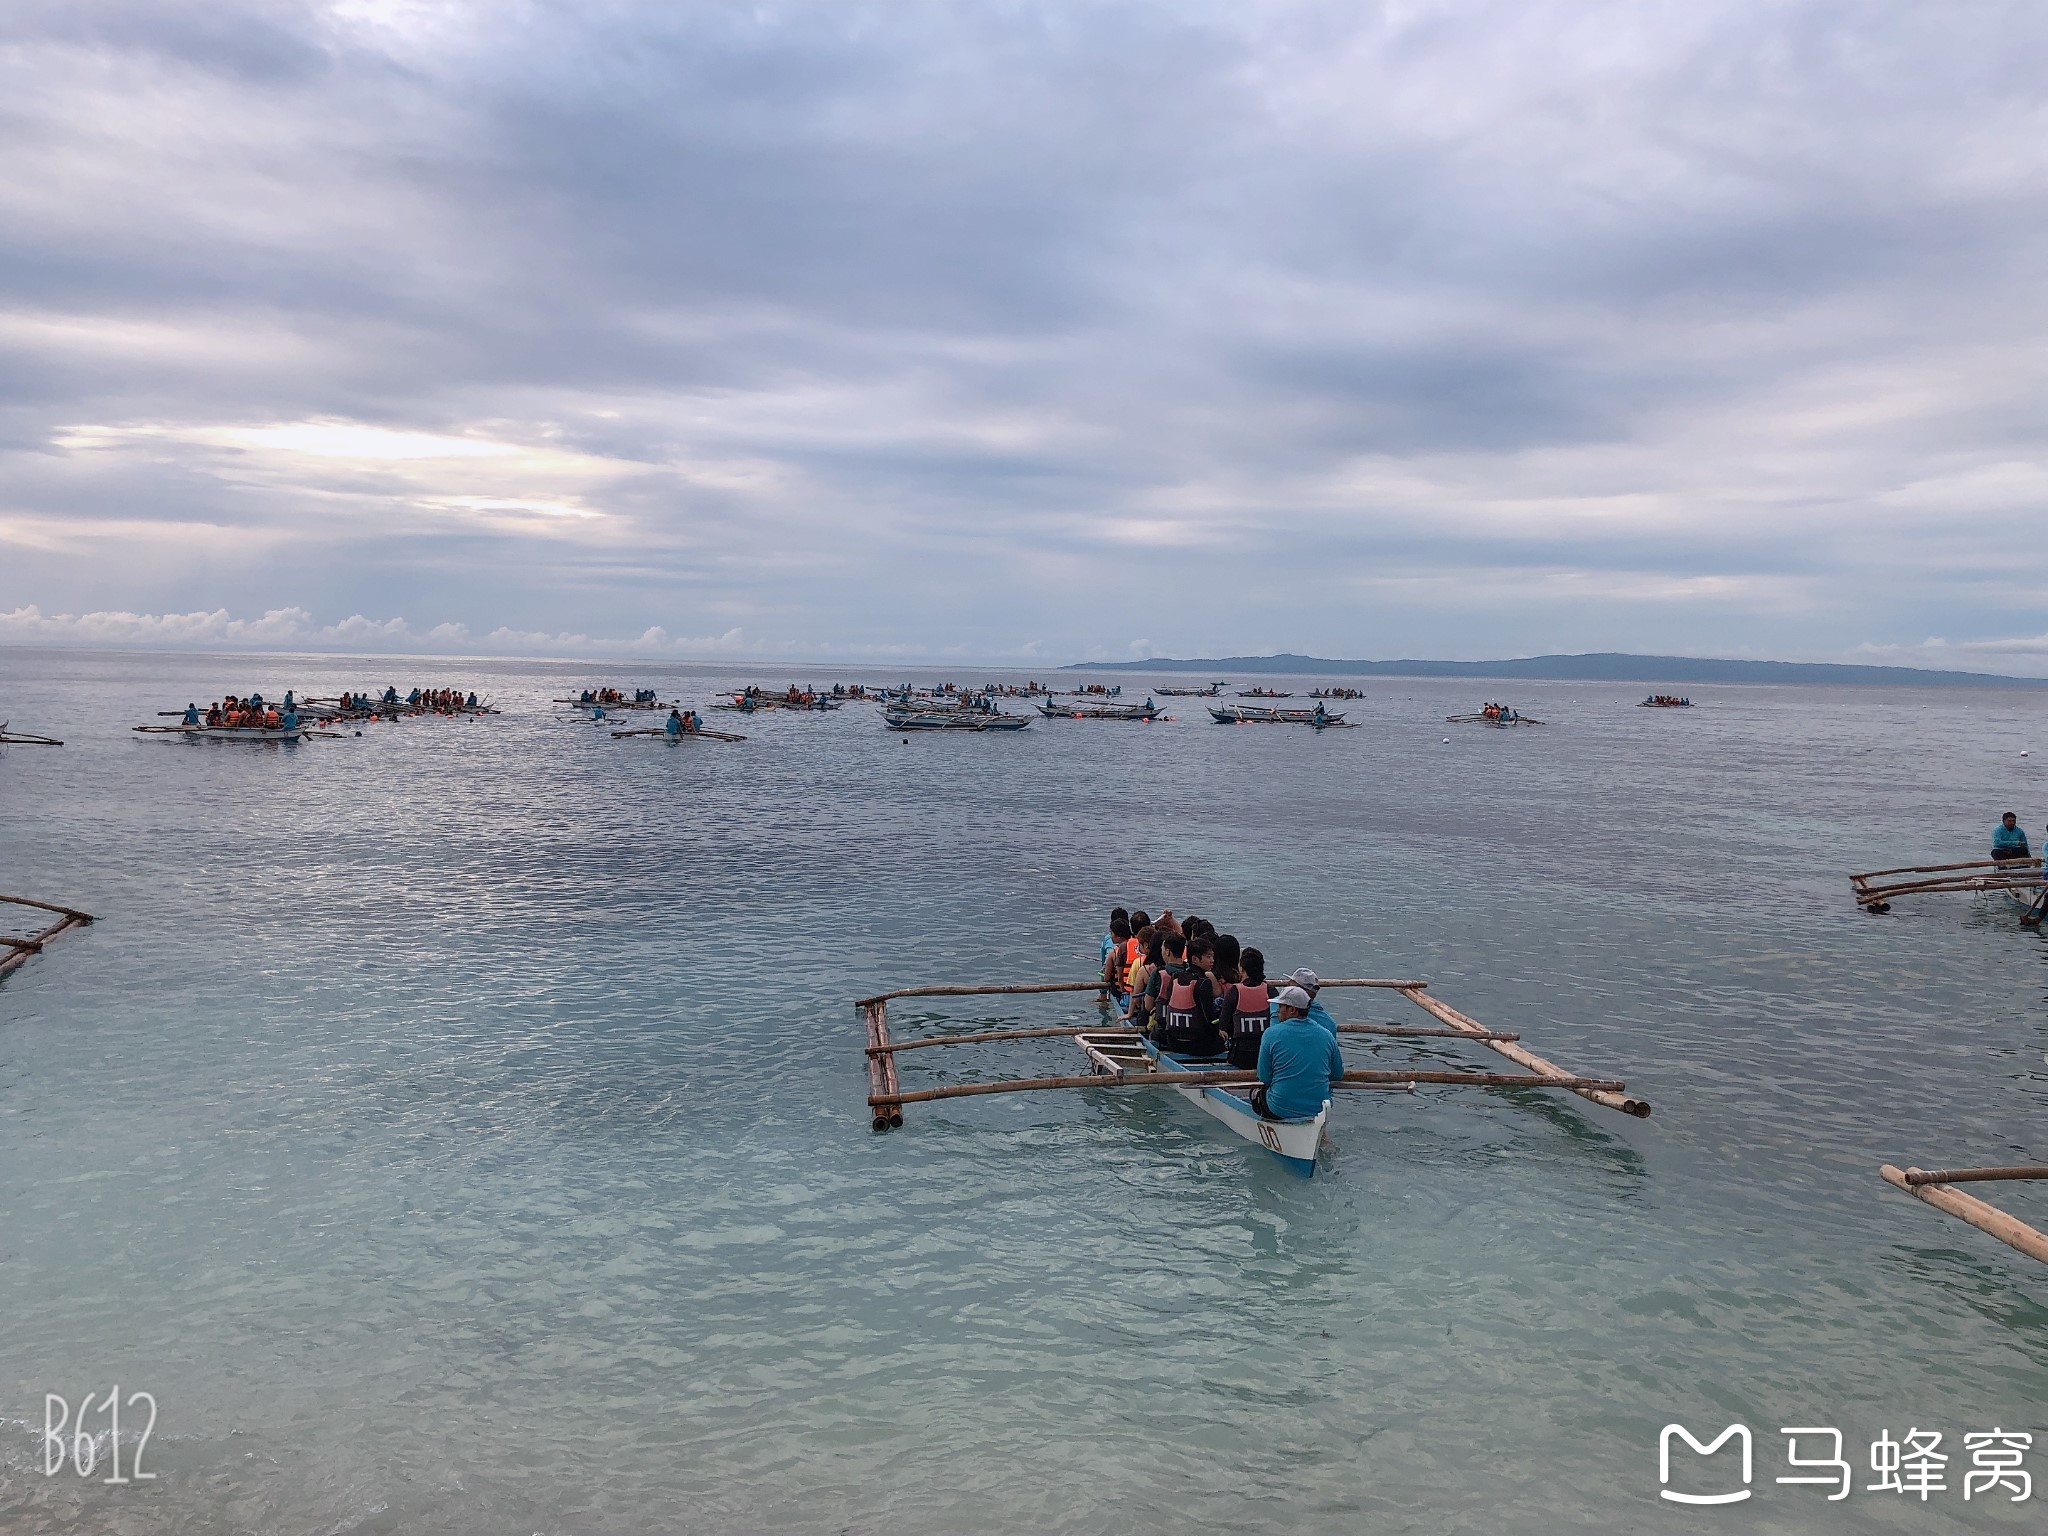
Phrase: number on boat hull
x=1269 y=1136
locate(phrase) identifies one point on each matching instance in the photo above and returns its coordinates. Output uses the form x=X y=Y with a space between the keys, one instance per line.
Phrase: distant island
x=1599 y=666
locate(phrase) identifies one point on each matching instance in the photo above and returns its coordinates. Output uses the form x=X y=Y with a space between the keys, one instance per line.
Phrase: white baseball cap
x=1292 y=997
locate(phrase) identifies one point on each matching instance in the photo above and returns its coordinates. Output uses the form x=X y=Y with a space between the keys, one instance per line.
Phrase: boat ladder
x=1114 y=1052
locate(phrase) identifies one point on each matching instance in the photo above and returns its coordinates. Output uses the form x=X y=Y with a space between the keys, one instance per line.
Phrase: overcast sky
x=1028 y=331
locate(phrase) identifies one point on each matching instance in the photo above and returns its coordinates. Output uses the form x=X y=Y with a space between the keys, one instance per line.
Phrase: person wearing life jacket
x=1244 y=1011
x=1298 y=1063
x=1229 y=968
x=271 y=720
x=1116 y=952
x=1144 y=954
x=1183 y=1005
x=674 y=725
x=1109 y=937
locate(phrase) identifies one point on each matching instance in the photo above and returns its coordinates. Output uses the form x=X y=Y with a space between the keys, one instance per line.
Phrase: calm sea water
x=459 y=1128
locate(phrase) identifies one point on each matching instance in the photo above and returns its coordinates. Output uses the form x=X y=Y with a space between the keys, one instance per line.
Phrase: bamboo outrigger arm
x=15 y=953
x=1397 y=1079
x=1874 y=888
x=1934 y=1188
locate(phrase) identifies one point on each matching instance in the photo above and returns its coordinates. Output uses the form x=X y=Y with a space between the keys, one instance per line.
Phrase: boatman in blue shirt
x=2009 y=840
x=1318 y=1015
x=1298 y=1062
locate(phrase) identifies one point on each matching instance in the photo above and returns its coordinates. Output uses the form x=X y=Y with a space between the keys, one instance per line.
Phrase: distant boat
x=1256 y=714
x=1262 y=693
x=1209 y=692
x=228 y=732
x=952 y=720
x=1097 y=710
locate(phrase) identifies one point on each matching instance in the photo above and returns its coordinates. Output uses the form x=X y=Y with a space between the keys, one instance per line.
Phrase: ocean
x=460 y=1128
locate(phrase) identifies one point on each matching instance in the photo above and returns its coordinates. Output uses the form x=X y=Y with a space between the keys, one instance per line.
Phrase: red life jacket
x=1248 y=1027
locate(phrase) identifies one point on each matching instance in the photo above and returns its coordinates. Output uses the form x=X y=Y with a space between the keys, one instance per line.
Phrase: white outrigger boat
x=229 y=732
x=1260 y=714
x=1297 y=1143
x=1123 y=1059
x=1099 y=710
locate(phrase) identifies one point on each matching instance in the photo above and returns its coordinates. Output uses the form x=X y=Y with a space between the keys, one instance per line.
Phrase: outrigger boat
x=233 y=732
x=22 y=739
x=1097 y=710
x=1257 y=714
x=1262 y=693
x=1498 y=719
x=1209 y=692
x=1122 y=1058
x=898 y=718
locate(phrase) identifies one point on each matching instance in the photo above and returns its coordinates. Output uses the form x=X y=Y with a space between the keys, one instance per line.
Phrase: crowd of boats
x=904 y=707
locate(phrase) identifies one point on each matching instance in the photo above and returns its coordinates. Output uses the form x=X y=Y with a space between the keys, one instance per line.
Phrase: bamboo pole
x=2009 y=1230
x=1612 y=1098
x=20 y=739
x=1405 y=1031
x=1222 y=1079
x=1870 y=895
x=978 y=990
x=878 y=1079
x=18 y=951
x=1974 y=1175
x=49 y=906
x=891 y=1083
x=1339 y=981
x=1935 y=869
x=999 y=1034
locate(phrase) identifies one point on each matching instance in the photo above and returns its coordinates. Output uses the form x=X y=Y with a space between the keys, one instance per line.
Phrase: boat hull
x=240 y=733
x=1295 y=1144
x=1246 y=714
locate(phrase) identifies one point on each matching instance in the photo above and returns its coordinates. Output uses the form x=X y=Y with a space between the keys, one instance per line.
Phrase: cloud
x=912 y=330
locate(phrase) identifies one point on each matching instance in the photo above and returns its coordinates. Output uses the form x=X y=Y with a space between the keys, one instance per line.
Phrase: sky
x=1027 y=332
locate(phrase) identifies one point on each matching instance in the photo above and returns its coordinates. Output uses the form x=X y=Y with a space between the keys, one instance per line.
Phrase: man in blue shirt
x=1318 y=1015
x=1298 y=1061
x=2009 y=840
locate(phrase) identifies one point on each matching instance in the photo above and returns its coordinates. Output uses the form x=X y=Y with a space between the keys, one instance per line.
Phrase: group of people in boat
x=601 y=696
x=1336 y=693
x=683 y=722
x=1505 y=714
x=254 y=713
x=420 y=701
x=754 y=697
x=1203 y=997
x=1667 y=701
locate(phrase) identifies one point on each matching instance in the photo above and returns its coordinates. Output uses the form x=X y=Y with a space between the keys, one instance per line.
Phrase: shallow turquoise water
x=459 y=1129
